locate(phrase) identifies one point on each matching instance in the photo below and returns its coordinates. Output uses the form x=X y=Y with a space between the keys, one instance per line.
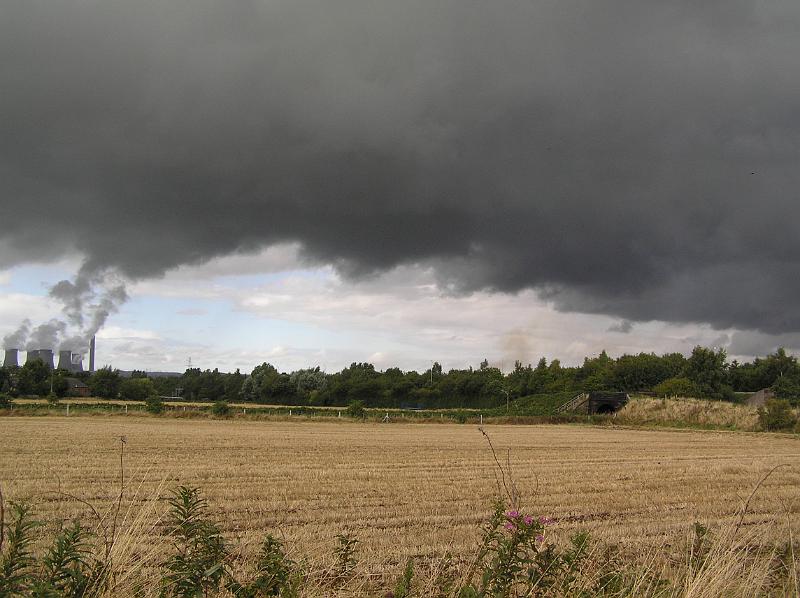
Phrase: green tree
x=34 y=378
x=153 y=404
x=259 y=384
x=58 y=382
x=105 y=383
x=136 y=389
x=356 y=410
x=787 y=388
x=5 y=380
x=677 y=387
x=707 y=369
x=307 y=381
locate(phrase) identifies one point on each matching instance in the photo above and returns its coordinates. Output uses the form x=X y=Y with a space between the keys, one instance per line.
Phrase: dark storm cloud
x=623 y=327
x=628 y=157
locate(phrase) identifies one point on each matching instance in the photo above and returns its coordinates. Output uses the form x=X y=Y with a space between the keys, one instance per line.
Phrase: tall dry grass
x=688 y=412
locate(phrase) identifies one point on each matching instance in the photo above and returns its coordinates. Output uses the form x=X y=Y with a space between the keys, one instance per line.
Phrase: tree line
x=706 y=373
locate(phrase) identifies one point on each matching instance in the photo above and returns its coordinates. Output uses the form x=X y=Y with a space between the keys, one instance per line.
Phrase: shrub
x=220 y=409
x=52 y=399
x=356 y=410
x=677 y=387
x=5 y=401
x=136 y=389
x=154 y=405
x=777 y=414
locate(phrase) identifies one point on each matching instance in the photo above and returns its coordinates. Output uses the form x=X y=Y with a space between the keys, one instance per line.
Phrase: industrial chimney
x=91 y=355
x=65 y=360
x=12 y=358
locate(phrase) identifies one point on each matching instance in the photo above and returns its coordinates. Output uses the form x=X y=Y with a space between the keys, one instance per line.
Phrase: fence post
x=481 y=418
x=290 y=413
x=126 y=408
x=67 y=409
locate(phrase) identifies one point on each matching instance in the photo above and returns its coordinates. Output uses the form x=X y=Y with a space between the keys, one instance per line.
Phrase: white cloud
x=117 y=333
x=400 y=319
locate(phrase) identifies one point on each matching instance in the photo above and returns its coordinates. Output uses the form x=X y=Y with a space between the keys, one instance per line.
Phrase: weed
x=402 y=588
x=344 y=552
x=198 y=565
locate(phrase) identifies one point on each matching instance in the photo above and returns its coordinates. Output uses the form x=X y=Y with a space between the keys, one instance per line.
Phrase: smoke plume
x=46 y=335
x=16 y=340
x=88 y=299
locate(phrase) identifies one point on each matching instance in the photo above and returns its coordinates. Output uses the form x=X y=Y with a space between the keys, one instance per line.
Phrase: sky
x=316 y=183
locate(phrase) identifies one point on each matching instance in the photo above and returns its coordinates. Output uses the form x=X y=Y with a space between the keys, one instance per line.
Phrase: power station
x=67 y=359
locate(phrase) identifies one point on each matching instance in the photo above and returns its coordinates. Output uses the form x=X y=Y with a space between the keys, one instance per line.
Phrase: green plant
x=17 y=560
x=154 y=405
x=68 y=569
x=345 y=555
x=776 y=415
x=277 y=574
x=677 y=387
x=356 y=410
x=220 y=409
x=52 y=399
x=5 y=401
x=402 y=588
x=198 y=565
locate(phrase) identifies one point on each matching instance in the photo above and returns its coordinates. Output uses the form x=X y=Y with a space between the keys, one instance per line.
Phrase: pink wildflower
x=510 y=526
x=528 y=519
x=512 y=514
x=545 y=520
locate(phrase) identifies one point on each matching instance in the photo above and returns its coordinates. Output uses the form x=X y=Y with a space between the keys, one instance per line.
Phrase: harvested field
x=404 y=490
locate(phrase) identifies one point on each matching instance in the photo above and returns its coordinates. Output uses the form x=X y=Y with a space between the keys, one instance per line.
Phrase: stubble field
x=403 y=490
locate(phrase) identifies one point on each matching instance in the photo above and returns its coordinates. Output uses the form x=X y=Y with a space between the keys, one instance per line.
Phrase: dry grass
x=403 y=490
x=642 y=411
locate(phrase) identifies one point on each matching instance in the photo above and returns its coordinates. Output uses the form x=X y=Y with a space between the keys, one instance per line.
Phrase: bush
x=221 y=409
x=356 y=410
x=136 y=389
x=776 y=415
x=677 y=387
x=154 y=405
x=5 y=401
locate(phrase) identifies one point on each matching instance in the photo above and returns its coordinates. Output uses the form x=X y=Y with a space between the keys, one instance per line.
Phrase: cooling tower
x=65 y=360
x=46 y=355
x=77 y=362
x=12 y=358
x=32 y=356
